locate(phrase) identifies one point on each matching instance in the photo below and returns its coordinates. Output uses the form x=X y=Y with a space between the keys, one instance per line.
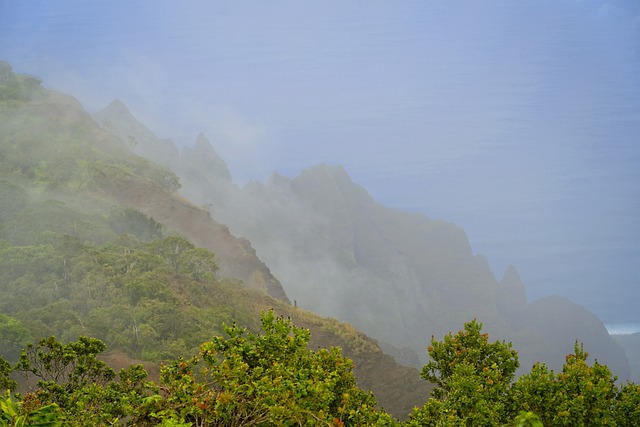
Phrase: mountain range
x=399 y=277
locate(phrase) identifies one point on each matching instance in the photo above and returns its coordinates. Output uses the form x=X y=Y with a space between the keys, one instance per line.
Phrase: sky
x=519 y=121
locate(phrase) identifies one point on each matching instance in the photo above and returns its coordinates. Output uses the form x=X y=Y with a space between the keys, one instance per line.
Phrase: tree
x=471 y=377
x=199 y=263
x=527 y=419
x=580 y=395
x=131 y=221
x=73 y=379
x=627 y=405
x=172 y=249
x=13 y=337
x=268 y=379
x=17 y=86
x=17 y=414
x=6 y=383
x=64 y=368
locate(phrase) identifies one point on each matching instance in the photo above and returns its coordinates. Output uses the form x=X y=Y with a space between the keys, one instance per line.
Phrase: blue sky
x=518 y=121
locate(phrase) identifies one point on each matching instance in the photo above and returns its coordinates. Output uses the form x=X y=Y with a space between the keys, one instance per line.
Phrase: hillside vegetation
x=273 y=379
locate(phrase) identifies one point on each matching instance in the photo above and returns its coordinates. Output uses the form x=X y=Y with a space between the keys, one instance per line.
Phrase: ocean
x=623 y=328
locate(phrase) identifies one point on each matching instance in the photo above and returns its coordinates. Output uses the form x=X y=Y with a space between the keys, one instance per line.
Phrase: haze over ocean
x=518 y=121
x=623 y=328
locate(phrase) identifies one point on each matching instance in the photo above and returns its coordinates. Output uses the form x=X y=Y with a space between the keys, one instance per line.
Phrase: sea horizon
x=622 y=328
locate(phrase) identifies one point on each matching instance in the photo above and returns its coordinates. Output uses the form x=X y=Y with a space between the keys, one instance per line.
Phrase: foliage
x=63 y=368
x=272 y=379
x=244 y=379
x=473 y=380
x=72 y=378
x=266 y=379
x=13 y=337
x=471 y=377
x=527 y=419
x=580 y=395
x=17 y=414
x=155 y=300
x=133 y=222
x=6 y=383
x=15 y=194
x=627 y=405
x=17 y=87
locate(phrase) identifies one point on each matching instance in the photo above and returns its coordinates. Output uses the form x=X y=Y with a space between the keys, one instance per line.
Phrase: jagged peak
x=204 y=148
x=117 y=111
x=323 y=173
x=117 y=103
x=332 y=179
x=321 y=170
x=201 y=140
x=276 y=180
x=116 y=107
x=203 y=159
x=511 y=277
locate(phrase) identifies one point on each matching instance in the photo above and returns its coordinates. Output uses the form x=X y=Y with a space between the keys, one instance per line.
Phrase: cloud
x=141 y=77
x=230 y=125
x=239 y=139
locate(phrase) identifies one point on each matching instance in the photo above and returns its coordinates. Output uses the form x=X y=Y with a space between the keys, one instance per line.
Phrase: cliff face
x=399 y=277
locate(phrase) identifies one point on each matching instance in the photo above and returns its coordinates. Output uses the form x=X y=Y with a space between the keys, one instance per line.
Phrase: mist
x=397 y=276
x=517 y=122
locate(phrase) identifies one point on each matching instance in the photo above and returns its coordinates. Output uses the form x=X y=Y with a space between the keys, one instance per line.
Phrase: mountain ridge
x=360 y=251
